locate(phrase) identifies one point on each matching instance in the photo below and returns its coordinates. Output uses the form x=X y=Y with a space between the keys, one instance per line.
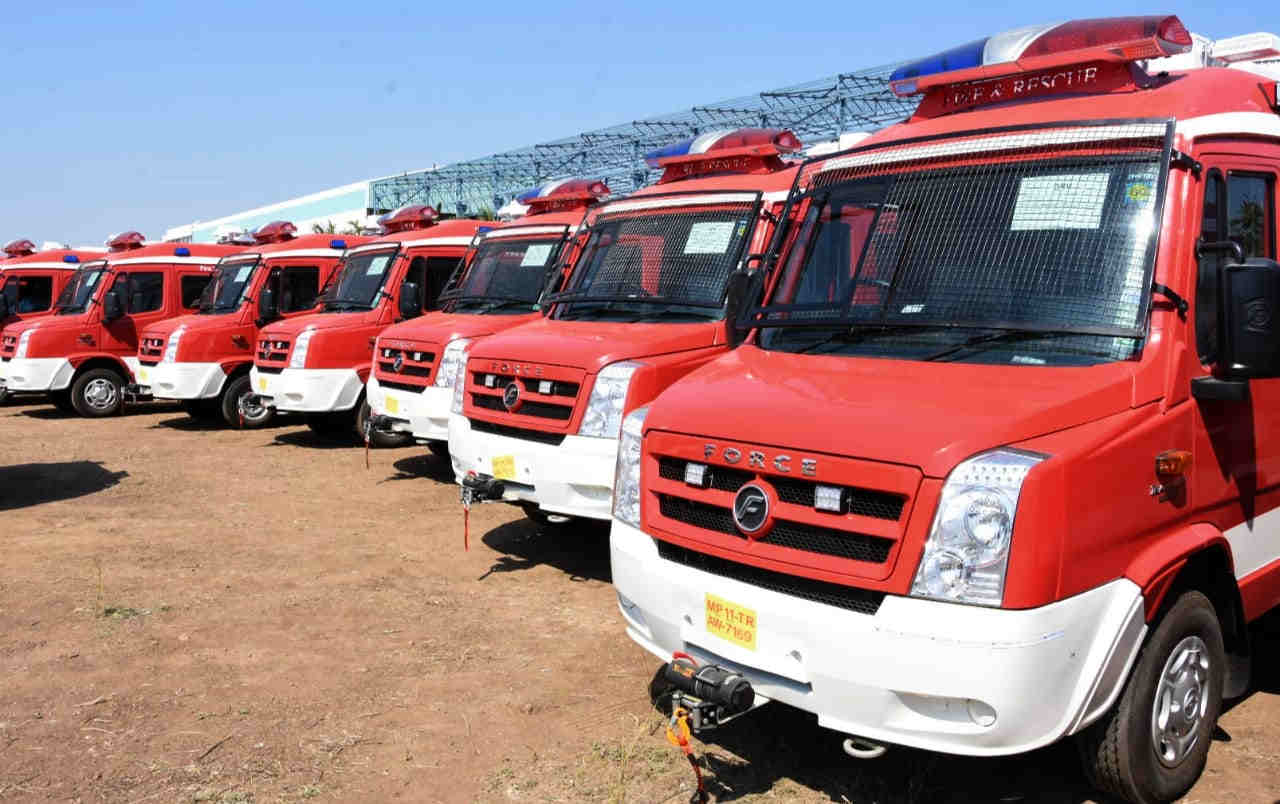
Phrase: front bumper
x=182 y=380
x=573 y=478
x=424 y=414
x=308 y=390
x=38 y=374
x=938 y=676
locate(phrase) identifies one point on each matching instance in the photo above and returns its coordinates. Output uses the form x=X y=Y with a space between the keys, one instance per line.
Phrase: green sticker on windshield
x=1137 y=192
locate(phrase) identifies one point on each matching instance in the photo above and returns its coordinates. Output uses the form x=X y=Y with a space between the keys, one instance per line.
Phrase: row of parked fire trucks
x=966 y=439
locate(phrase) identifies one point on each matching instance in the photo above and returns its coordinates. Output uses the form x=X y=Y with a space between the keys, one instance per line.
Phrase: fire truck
x=993 y=468
x=85 y=353
x=535 y=421
x=317 y=364
x=30 y=280
x=411 y=387
x=203 y=359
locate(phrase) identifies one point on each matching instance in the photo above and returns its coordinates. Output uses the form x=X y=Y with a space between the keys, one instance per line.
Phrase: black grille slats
x=273 y=351
x=533 y=400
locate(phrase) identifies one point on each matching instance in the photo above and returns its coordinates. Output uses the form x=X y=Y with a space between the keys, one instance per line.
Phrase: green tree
x=327 y=228
x=1247 y=227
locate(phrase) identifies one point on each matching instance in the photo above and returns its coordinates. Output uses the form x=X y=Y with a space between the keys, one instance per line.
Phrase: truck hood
x=291 y=327
x=927 y=415
x=193 y=323
x=48 y=323
x=592 y=345
x=439 y=328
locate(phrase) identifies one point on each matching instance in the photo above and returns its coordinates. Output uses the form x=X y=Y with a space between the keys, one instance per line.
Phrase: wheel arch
x=85 y=362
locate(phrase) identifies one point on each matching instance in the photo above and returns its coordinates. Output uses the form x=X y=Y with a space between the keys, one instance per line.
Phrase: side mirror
x=741 y=292
x=1249 y=345
x=112 y=306
x=407 y=304
x=268 y=310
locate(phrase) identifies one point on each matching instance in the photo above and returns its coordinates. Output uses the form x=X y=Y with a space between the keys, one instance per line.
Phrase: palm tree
x=328 y=228
x=1247 y=227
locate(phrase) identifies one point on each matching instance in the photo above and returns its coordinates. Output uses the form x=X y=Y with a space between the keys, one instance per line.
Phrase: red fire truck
x=85 y=352
x=204 y=358
x=29 y=282
x=536 y=421
x=317 y=364
x=995 y=466
x=418 y=361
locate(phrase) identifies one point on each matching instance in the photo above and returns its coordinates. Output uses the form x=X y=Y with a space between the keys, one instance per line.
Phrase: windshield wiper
x=857 y=332
x=1003 y=336
x=339 y=306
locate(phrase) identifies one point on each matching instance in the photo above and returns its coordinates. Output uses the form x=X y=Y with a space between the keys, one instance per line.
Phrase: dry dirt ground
x=194 y=614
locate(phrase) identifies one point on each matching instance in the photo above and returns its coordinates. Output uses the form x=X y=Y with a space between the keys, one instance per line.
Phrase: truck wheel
x=202 y=410
x=62 y=400
x=255 y=415
x=378 y=439
x=1152 y=746
x=4 y=396
x=97 y=393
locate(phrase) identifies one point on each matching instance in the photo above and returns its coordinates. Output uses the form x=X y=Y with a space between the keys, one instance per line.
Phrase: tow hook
x=136 y=393
x=252 y=402
x=862 y=748
x=477 y=488
x=380 y=423
x=711 y=694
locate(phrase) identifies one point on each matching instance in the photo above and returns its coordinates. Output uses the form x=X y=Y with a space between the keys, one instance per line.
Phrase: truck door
x=430 y=275
x=1237 y=456
x=143 y=293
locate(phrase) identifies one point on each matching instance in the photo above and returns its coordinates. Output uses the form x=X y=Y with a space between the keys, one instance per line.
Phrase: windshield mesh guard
x=674 y=248
x=1044 y=227
x=459 y=286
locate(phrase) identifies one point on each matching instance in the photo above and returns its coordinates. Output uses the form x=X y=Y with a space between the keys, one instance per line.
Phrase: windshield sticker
x=536 y=254
x=1065 y=201
x=709 y=237
x=91 y=280
x=912 y=309
x=1137 y=193
x=243 y=274
x=377 y=265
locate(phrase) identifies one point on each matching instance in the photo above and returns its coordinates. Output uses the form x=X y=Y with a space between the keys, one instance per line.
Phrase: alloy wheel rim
x=100 y=394
x=1182 y=695
x=252 y=410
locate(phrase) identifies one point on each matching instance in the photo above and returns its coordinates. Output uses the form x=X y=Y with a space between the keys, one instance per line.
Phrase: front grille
x=482 y=426
x=793 y=535
x=402 y=386
x=151 y=348
x=721 y=477
x=863 y=601
x=273 y=351
x=416 y=366
x=149 y=361
x=542 y=410
x=548 y=398
x=408 y=371
x=269 y=369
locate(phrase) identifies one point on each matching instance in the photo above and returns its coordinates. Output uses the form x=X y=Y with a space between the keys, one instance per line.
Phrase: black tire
x=440 y=449
x=4 y=396
x=376 y=438
x=238 y=388
x=202 y=410
x=62 y=400
x=98 y=393
x=1120 y=752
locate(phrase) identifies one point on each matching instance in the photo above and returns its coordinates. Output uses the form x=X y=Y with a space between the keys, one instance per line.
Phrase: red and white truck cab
x=1000 y=461
x=317 y=364
x=536 y=421
x=204 y=358
x=85 y=353
x=411 y=387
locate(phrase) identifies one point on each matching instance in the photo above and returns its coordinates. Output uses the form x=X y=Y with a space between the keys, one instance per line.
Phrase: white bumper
x=308 y=390
x=574 y=478
x=38 y=374
x=424 y=414
x=182 y=380
x=938 y=676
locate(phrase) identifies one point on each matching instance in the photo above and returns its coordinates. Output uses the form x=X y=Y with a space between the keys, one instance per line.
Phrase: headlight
x=451 y=361
x=21 y=351
x=299 y=357
x=608 y=395
x=626 y=476
x=171 y=346
x=967 y=552
x=459 y=387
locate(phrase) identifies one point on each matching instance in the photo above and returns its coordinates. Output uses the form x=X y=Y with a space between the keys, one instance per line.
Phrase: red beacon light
x=1086 y=44
x=743 y=150
x=274 y=232
x=564 y=195
x=20 y=248
x=416 y=216
x=125 y=241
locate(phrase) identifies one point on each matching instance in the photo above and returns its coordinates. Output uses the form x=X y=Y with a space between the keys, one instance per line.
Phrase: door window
x=142 y=292
x=29 y=294
x=192 y=286
x=298 y=288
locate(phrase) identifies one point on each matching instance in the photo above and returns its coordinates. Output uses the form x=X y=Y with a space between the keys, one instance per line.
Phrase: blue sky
x=147 y=116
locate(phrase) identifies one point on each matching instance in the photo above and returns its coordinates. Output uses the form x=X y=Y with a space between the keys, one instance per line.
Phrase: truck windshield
x=359 y=283
x=225 y=292
x=1042 y=260
x=506 y=275
x=77 y=294
x=663 y=262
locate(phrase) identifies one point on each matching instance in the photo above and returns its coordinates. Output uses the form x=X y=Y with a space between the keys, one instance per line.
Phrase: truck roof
x=53 y=258
x=307 y=245
x=454 y=232
x=169 y=253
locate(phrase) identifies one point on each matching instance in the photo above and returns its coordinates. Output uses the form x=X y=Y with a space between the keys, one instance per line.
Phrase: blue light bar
x=674 y=149
x=337 y=244
x=957 y=58
x=182 y=251
x=70 y=258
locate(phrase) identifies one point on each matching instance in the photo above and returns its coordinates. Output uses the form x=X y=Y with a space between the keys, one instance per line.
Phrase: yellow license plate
x=393 y=404
x=504 y=467
x=262 y=383
x=731 y=622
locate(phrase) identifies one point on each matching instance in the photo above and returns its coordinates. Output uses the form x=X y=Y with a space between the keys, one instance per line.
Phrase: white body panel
x=574 y=478
x=425 y=414
x=169 y=380
x=308 y=390
x=38 y=374
x=908 y=674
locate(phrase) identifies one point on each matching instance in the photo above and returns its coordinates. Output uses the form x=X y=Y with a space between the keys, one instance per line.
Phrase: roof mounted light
x=20 y=248
x=274 y=232
x=125 y=241
x=563 y=194
x=414 y=216
x=741 y=150
x=71 y=258
x=338 y=244
x=182 y=251
x=1110 y=39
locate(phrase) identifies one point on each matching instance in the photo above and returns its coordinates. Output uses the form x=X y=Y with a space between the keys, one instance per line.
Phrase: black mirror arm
x=1232 y=246
x=1172 y=295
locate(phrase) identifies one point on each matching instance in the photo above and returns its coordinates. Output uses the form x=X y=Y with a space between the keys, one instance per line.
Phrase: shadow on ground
x=424 y=465
x=49 y=412
x=578 y=549
x=187 y=423
x=27 y=484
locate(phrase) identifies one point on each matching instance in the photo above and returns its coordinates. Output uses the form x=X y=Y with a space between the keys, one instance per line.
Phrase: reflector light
x=695 y=474
x=125 y=241
x=182 y=251
x=20 y=248
x=415 y=216
x=1246 y=47
x=340 y=244
x=1112 y=39
x=828 y=498
x=565 y=188
x=274 y=232
x=774 y=139
x=71 y=258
